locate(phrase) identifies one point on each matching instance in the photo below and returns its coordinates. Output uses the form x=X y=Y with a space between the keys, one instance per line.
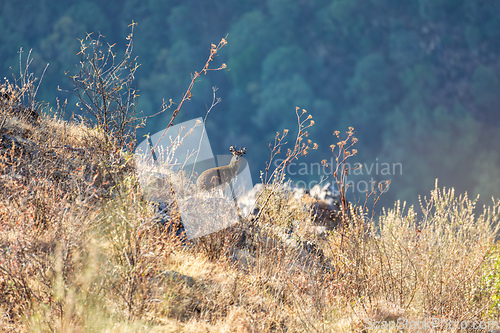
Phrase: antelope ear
x=244 y=150
x=231 y=149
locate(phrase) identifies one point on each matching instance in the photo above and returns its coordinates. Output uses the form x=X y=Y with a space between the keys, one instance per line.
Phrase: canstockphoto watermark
x=358 y=174
x=168 y=165
x=434 y=323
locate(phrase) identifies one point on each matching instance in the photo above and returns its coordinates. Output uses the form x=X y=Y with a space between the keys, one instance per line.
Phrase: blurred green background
x=417 y=79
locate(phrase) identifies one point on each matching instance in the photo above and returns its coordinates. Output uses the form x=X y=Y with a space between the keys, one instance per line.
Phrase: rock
x=247 y=202
x=10 y=142
x=322 y=214
x=305 y=253
x=175 y=277
x=242 y=257
x=320 y=231
x=327 y=194
x=323 y=203
x=164 y=219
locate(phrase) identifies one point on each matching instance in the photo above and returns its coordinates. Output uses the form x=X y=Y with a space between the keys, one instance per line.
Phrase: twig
x=215 y=101
x=187 y=95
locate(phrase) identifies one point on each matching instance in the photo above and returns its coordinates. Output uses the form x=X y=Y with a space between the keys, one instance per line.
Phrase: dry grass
x=77 y=252
x=79 y=255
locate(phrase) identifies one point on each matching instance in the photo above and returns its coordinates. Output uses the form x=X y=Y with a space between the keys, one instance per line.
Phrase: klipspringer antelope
x=222 y=175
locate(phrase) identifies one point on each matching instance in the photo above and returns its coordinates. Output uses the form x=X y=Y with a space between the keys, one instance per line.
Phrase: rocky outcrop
x=322 y=202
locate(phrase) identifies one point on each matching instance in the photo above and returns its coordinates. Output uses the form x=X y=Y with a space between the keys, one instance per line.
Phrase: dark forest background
x=417 y=79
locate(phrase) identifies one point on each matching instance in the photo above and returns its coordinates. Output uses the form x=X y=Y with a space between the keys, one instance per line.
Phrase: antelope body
x=215 y=177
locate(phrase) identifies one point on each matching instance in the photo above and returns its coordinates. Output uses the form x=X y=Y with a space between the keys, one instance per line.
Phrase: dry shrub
x=414 y=267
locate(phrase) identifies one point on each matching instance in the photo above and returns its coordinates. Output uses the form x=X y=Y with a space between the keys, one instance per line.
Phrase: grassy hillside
x=79 y=250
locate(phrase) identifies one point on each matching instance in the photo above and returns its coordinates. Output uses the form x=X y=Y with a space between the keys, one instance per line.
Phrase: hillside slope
x=79 y=251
